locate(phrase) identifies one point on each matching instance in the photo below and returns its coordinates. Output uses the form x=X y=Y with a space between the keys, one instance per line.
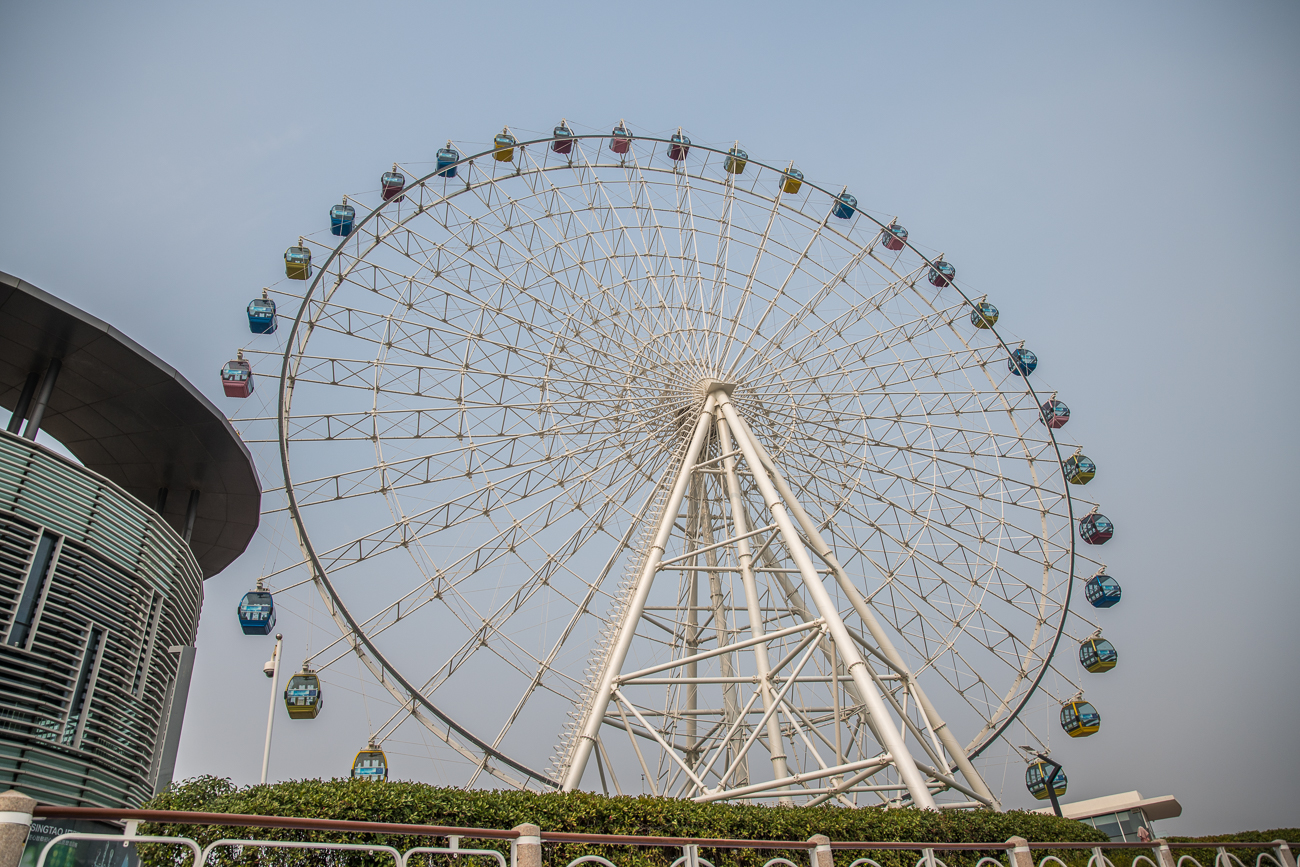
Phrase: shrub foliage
x=417 y=803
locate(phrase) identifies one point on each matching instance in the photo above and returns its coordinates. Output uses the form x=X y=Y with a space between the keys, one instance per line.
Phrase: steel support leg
x=813 y=533
x=892 y=739
x=595 y=711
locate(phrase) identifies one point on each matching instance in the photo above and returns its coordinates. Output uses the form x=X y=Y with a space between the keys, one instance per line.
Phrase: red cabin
x=392 y=184
x=237 y=377
x=563 y=143
x=1096 y=529
x=1054 y=414
x=895 y=236
x=678 y=146
x=620 y=140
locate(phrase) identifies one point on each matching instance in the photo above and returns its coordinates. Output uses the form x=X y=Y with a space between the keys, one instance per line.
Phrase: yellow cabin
x=503 y=147
x=792 y=180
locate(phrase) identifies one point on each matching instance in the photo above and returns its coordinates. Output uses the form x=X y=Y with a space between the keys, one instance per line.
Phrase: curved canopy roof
x=132 y=418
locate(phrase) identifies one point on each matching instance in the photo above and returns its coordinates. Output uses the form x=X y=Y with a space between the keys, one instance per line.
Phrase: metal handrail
x=248 y=820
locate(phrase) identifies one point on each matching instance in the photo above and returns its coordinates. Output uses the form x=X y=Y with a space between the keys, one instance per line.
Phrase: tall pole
x=270 y=714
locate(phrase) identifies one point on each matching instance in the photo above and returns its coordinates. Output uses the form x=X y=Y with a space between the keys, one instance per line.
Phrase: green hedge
x=1247 y=856
x=416 y=803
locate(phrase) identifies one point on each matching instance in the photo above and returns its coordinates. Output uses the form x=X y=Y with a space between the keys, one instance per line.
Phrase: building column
x=24 y=401
x=191 y=512
x=42 y=400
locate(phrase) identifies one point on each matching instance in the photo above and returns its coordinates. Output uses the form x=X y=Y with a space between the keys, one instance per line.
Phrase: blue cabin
x=1022 y=362
x=447 y=159
x=942 y=274
x=342 y=216
x=257 y=613
x=845 y=206
x=1102 y=591
x=261 y=315
x=1054 y=414
x=1096 y=529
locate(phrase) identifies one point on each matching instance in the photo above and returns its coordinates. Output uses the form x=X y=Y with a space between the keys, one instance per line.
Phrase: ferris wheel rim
x=321 y=575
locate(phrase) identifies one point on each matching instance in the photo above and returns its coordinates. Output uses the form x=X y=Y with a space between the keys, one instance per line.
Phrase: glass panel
x=1109 y=825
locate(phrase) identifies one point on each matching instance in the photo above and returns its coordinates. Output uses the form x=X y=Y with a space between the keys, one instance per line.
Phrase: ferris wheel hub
x=713 y=385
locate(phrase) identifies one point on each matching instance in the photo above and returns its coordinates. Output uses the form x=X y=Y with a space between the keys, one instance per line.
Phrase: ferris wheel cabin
x=297 y=262
x=895 y=237
x=1102 y=591
x=1097 y=655
x=737 y=159
x=257 y=613
x=342 y=217
x=1096 y=529
x=1022 y=362
x=261 y=315
x=1054 y=414
x=237 y=377
x=620 y=140
x=1036 y=776
x=1080 y=719
x=845 y=205
x=302 y=697
x=503 y=146
x=942 y=274
x=371 y=763
x=391 y=184
x=447 y=159
x=985 y=315
x=1079 y=470
x=563 y=143
x=792 y=180
x=678 y=146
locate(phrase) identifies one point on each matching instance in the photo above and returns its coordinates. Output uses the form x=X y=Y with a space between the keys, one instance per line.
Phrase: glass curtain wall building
x=102 y=558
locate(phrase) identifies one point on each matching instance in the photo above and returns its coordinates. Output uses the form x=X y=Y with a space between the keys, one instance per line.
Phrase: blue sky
x=1122 y=177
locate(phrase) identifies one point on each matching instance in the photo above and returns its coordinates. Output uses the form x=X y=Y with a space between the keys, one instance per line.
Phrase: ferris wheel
x=626 y=462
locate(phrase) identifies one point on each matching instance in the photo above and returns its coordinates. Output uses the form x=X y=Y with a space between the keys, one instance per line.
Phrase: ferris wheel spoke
x=935 y=459
x=447 y=514
x=797 y=318
x=580 y=262
x=619 y=230
x=643 y=199
x=830 y=334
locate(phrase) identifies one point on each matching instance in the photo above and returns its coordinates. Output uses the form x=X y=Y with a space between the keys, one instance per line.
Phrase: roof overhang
x=1163 y=807
x=127 y=415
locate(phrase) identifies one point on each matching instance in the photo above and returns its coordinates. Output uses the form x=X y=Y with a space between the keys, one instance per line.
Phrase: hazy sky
x=1121 y=177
